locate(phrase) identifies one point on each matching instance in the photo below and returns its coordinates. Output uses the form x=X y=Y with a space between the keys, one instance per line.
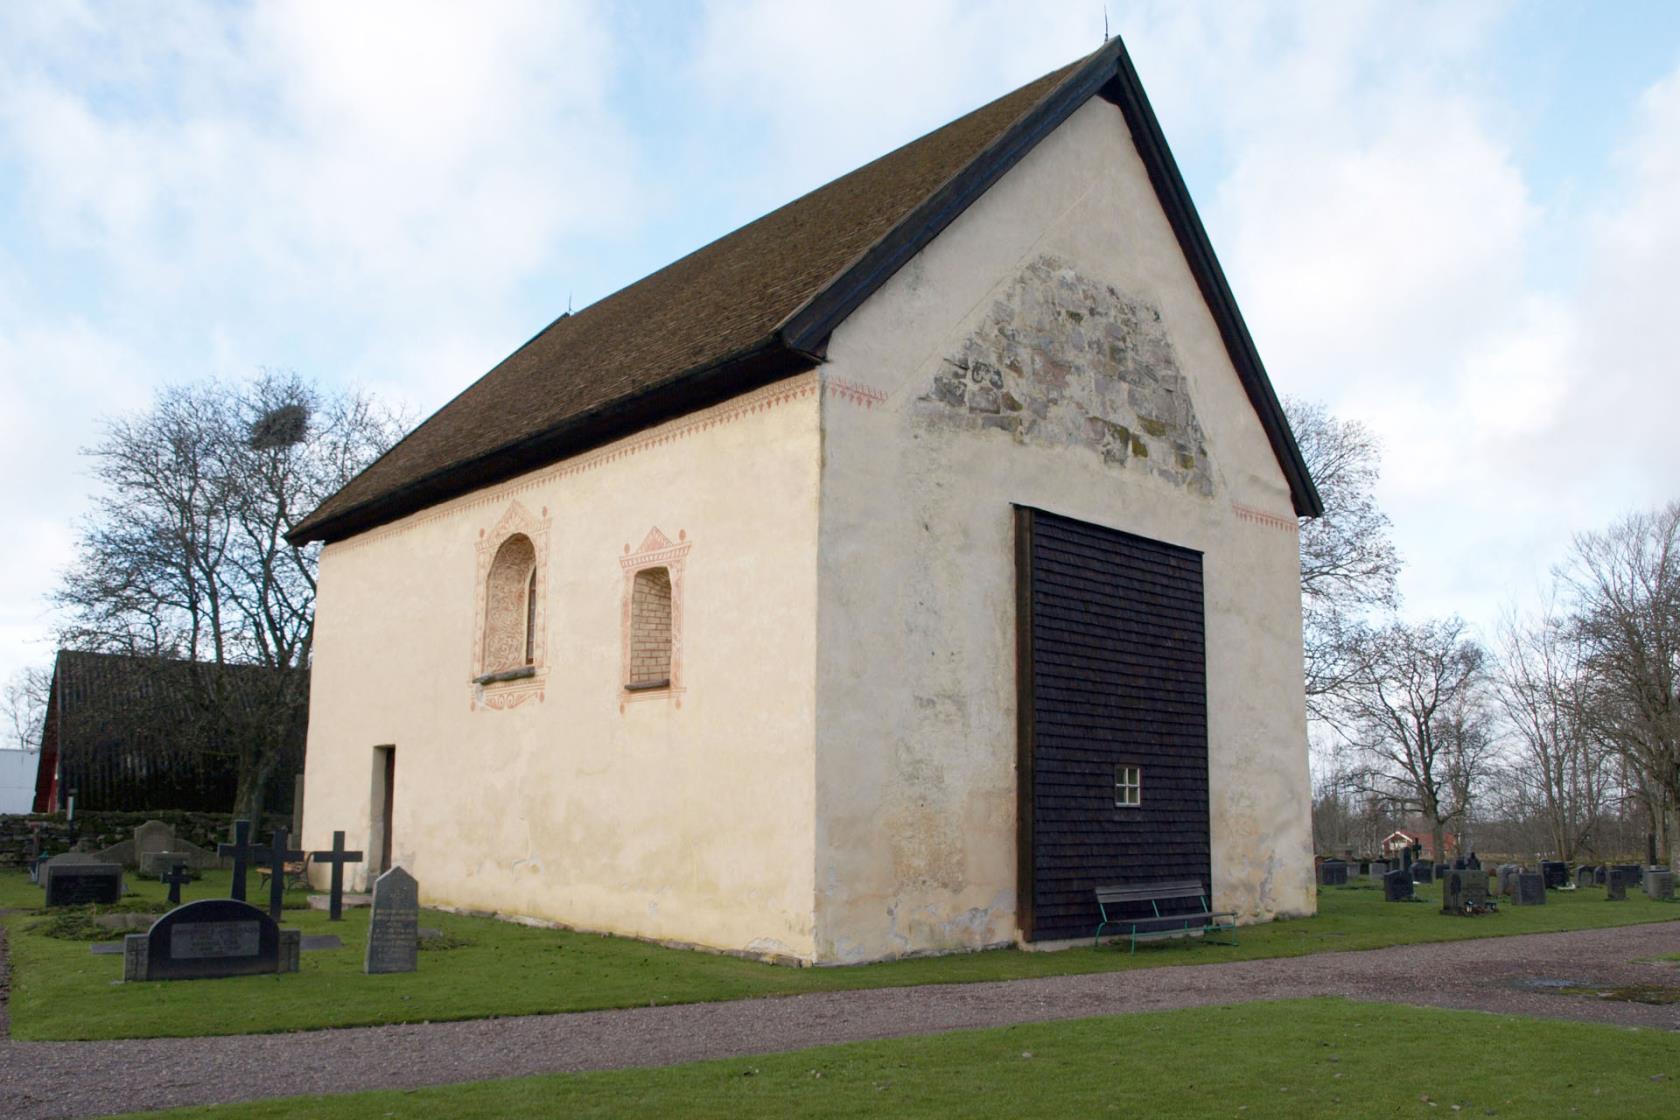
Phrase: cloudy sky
x=1455 y=222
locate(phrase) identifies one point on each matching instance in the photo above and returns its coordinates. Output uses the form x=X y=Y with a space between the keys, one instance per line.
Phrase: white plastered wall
x=688 y=822
x=915 y=788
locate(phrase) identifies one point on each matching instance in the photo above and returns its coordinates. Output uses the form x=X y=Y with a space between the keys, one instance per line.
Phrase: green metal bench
x=1112 y=900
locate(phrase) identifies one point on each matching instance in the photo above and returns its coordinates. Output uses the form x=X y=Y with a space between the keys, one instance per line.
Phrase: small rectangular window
x=1128 y=786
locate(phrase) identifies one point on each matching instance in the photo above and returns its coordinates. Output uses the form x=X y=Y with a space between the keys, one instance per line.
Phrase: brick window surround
x=652 y=619
x=510 y=632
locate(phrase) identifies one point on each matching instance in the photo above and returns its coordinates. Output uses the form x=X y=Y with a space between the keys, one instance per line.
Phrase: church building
x=876 y=580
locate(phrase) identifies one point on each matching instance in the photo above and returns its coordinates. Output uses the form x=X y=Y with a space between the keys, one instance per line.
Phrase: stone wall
x=96 y=831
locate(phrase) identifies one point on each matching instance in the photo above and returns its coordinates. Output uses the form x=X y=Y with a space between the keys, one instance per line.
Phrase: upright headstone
x=1406 y=858
x=1507 y=878
x=1616 y=884
x=242 y=854
x=1555 y=872
x=393 y=942
x=210 y=938
x=176 y=878
x=1584 y=875
x=1379 y=868
x=337 y=857
x=1530 y=889
x=1423 y=872
x=278 y=854
x=1659 y=884
x=149 y=838
x=1397 y=885
x=1333 y=873
x=76 y=879
x=1464 y=892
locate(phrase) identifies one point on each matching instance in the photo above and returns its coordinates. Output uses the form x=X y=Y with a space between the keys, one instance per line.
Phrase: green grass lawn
x=1254 y=1061
x=62 y=991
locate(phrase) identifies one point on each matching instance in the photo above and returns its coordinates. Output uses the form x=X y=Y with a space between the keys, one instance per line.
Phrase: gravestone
x=176 y=878
x=337 y=857
x=76 y=879
x=1406 y=858
x=1616 y=884
x=1584 y=876
x=1600 y=873
x=149 y=839
x=179 y=851
x=1634 y=872
x=1507 y=878
x=1463 y=891
x=1659 y=884
x=210 y=938
x=1333 y=873
x=1397 y=885
x=242 y=853
x=277 y=856
x=393 y=943
x=1423 y=872
x=1378 y=869
x=1530 y=889
x=1555 y=872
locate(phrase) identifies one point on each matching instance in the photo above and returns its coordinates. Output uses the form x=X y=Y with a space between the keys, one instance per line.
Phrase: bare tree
x=1416 y=712
x=1561 y=773
x=25 y=705
x=184 y=556
x=1348 y=562
x=1626 y=584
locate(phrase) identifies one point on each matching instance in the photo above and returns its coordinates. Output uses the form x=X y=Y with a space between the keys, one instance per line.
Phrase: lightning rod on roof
x=1105 y=23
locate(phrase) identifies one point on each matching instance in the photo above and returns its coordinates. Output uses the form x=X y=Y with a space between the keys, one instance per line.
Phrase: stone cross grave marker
x=210 y=938
x=337 y=857
x=277 y=855
x=242 y=854
x=76 y=879
x=1530 y=888
x=393 y=943
x=176 y=878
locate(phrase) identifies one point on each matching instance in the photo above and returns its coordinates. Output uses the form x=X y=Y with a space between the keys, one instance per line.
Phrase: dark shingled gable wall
x=1114 y=673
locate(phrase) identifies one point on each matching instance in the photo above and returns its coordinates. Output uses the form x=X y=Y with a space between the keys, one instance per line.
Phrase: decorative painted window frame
x=656 y=551
x=518 y=685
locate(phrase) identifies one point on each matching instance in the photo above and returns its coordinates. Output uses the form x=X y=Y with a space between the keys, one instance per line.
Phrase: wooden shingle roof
x=759 y=304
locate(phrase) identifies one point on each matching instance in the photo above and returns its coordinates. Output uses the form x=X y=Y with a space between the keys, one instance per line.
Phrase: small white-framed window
x=1128 y=786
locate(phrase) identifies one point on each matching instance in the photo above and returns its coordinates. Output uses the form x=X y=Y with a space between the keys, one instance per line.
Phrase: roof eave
x=768 y=361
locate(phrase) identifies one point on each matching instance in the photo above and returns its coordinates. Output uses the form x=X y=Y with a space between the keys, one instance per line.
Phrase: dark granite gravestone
x=1555 y=872
x=176 y=879
x=337 y=857
x=1406 y=858
x=210 y=938
x=276 y=856
x=1333 y=873
x=393 y=943
x=1616 y=883
x=1600 y=874
x=1473 y=863
x=74 y=879
x=1423 y=872
x=242 y=853
x=1659 y=884
x=1464 y=892
x=1397 y=885
x=1530 y=889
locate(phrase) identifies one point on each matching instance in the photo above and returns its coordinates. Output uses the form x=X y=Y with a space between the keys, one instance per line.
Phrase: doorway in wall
x=1113 y=766
x=382 y=808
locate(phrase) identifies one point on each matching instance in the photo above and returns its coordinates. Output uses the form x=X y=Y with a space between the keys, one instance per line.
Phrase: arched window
x=650 y=629
x=511 y=606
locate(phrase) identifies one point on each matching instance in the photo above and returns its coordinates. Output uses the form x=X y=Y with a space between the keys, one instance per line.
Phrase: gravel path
x=69 y=1079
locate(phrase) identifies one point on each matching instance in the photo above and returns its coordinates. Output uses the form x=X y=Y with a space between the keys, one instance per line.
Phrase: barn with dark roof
x=875 y=580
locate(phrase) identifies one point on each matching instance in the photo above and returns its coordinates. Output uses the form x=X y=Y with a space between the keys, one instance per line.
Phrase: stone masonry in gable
x=1065 y=360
